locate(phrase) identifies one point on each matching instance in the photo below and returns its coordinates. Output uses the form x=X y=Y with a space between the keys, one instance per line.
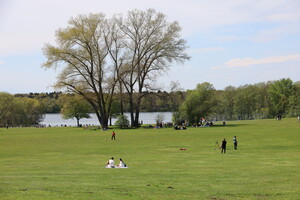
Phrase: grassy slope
x=68 y=163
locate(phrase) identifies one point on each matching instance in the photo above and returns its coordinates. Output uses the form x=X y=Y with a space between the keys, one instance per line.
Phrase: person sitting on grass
x=110 y=163
x=122 y=164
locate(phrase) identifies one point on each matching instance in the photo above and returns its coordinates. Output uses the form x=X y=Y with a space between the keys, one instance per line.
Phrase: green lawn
x=68 y=163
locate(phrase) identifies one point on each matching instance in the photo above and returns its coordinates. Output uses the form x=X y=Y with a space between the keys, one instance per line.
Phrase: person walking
x=224 y=142
x=235 y=142
x=113 y=135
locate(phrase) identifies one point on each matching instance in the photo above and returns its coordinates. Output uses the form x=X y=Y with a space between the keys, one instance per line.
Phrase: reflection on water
x=145 y=117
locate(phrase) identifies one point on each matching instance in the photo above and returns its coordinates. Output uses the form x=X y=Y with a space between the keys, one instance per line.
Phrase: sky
x=231 y=42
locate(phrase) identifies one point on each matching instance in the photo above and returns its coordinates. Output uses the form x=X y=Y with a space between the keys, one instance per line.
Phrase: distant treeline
x=257 y=101
x=270 y=99
x=260 y=100
x=19 y=111
x=49 y=101
x=160 y=101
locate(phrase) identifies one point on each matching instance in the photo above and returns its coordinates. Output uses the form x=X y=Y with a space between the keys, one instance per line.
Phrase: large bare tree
x=98 y=54
x=152 y=45
x=85 y=52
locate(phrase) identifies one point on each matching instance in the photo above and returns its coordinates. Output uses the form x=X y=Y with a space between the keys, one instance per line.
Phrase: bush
x=122 y=121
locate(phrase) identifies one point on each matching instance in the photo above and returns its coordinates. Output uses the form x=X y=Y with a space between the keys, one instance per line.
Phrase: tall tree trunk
x=77 y=121
x=131 y=109
x=102 y=119
x=137 y=111
x=137 y=115
x=104 y=123
x=121 y=99
x=132 y=115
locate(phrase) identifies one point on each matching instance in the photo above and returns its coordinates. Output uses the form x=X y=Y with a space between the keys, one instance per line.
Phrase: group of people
x=279 y=116
x=176 y=127
x=224 y=144
x=111 y=164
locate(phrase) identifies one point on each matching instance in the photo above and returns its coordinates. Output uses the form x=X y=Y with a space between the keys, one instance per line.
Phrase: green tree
x=29 y=110
x=122 y=121
x=7 y=109
x=73 y=106
x=280 y=92
x=227 y=102
x=263 y=100
x=246 y=101
x=19 y=111
x=198 y=103
x=50 y=105
x=294 y=101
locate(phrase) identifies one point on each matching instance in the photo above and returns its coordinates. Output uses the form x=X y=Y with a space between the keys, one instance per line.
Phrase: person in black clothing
x=223 y=146
x=235 y=142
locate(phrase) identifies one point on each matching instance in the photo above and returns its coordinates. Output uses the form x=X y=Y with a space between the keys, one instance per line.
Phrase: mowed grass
x=68 y=163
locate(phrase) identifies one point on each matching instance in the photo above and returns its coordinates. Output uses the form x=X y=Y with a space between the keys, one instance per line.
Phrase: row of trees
x=75 y=106
x=49 y=101
x=261 y=100
x=159 y=101
x=101 y=57
x=19 y=111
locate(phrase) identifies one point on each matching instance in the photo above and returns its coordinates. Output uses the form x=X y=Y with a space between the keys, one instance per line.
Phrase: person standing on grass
x=113 y=135
x=298 y=118
x=223 y=146
x=235 y=142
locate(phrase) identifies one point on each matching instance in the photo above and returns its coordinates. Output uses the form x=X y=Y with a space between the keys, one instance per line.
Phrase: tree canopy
x=261 y=100
x=97 y=53
x=19 y=111
x=199 y=103
x=74 y=106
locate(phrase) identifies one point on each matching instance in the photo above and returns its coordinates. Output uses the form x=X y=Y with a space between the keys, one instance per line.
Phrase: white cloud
x=240 y=62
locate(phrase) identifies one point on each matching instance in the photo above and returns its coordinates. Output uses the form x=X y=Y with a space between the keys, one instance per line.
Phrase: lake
x=57 y=120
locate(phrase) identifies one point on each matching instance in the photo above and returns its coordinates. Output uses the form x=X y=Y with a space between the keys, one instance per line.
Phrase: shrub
x=122 y=121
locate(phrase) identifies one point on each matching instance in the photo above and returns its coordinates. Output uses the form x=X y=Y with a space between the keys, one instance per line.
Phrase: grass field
x=68 y=163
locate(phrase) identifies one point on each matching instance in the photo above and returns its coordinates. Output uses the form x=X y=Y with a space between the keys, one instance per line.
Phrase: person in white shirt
x=110 y=163
x=122 y=164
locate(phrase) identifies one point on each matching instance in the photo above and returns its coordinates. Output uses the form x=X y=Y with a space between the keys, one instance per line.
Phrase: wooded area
x=257 y=101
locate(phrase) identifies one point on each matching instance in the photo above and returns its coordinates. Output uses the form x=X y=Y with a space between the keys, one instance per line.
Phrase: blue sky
x=231 y=42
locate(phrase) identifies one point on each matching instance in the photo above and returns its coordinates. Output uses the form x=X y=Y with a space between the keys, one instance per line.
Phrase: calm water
x=146 y=117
